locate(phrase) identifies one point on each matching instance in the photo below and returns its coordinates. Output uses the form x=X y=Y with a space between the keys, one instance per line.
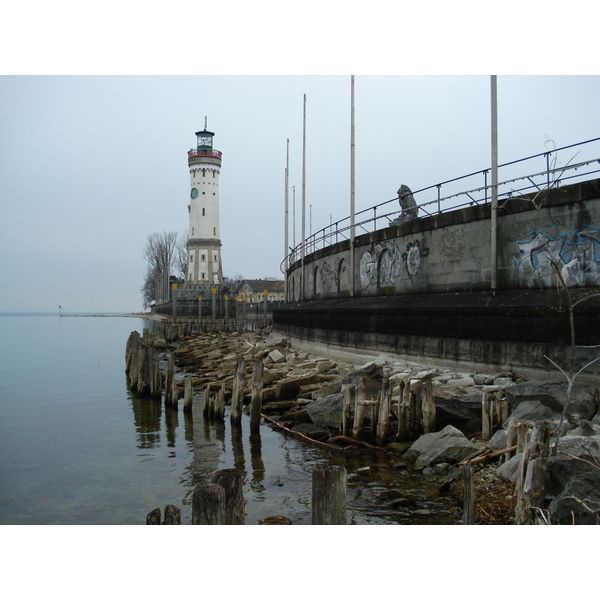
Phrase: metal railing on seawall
x=547 y=170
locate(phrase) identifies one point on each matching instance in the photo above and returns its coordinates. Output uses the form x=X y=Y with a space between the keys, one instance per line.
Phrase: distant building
x=255 y=289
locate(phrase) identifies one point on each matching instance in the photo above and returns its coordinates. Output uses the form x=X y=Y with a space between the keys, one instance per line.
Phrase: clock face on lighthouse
x=194 y=193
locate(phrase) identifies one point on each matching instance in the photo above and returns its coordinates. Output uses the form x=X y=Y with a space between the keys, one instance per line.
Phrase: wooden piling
x=428 y=407
x=237 y=397
x=170 y=375
x=385 y=400
x=172 y=515
x=486 y=417
x=153 y=517
x=359 y=408
x=232 y=482
x=531 y=477
x=469 y=495
x=329 y=495
x=206 y=400
x=349 y=393
x=219 y=403
x=188 y=395
x=208 y=504
x=257 y=396
x=403 y=410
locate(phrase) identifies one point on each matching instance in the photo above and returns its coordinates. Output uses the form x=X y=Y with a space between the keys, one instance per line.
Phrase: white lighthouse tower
x=204 y=243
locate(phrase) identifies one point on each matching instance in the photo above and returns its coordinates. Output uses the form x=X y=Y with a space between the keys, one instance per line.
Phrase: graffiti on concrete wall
x=577 y=259
x=412 y=257
x=383 y=263
x=452 y=244
x=380 y=265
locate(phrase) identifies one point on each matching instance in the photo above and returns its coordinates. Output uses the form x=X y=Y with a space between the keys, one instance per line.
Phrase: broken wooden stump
x=232 y=482
x=208 y=504
x=329 y=495
x=257 y=396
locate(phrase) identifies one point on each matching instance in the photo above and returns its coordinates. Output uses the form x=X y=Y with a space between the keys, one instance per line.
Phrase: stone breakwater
x=303 y=395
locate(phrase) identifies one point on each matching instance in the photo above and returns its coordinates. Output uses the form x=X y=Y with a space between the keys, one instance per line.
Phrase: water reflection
x=146 y=419
x=277 y=469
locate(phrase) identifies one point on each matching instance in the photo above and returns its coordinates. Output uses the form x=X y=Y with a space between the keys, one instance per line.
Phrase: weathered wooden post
x=329 y=495
x=383 y=418
x=153 y=517
x=487 y=413
x=237 y=397
x=359 y=408
x=403 y=410
x=349 y=393
x=522 y=429
x=232 y=482
x=208 y=504
x=257 y=395
x=188 y=394
x=169 y=379
x=214 y=304
x=502 y=412
x=469 y=496
x=206 y=400
x=531 y=477
x=428 y=407
x=172 y=515
x=511 y=440
x=219 y=405
x=200 y=308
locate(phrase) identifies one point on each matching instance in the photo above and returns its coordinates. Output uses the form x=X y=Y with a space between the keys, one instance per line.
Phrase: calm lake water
x=77 y=448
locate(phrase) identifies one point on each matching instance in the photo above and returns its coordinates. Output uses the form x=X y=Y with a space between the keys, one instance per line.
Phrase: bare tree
x=160 y=254
x=181 y=258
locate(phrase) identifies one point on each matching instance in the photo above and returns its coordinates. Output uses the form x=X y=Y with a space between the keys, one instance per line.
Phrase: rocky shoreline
x=303 y=396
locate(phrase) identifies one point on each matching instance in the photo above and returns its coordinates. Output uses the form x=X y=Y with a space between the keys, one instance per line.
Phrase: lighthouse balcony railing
x=388 y=213
x=202 y=153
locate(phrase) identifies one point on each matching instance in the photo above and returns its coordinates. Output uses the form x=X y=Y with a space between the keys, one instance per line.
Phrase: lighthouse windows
x=203 y=212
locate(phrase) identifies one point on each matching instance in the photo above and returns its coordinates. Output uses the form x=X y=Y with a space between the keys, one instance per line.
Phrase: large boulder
x=458 y=406
x=327 y=412
x=532 y=412
x=372 y=371
x=446 y=446
x=553 y=394
x=561 y=469
x=579 y=502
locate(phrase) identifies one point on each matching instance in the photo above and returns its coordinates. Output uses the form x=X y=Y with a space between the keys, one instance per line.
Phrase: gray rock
x=498 y=440
x=464 y=382
x=480 y=378
x=160 y=344
x=553 y=394
x=579 y=502
x=312 y=431
x=503 y=381
x=327 y=412
x=560 y=471
x=448 y=445
x=510 y=468
x=533 y=411
x=372 y=371
x=460 y=407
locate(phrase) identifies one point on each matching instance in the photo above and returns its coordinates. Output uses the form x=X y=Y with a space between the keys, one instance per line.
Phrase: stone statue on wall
x=409 y=207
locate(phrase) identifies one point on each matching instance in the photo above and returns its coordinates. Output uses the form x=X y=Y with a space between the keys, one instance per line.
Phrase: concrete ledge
x=505 y=330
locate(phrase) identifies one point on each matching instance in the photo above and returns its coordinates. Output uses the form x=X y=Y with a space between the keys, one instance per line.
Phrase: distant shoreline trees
x=166 y=255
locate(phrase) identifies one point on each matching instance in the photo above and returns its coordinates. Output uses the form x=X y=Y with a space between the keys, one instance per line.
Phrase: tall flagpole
x=302 y=288
x=352 y=189
x=286 y=249
x=494 y=211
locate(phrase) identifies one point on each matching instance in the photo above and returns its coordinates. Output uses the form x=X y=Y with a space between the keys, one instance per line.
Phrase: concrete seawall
x=423 y=288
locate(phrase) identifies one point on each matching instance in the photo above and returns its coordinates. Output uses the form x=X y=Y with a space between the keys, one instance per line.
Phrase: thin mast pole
x=303 y=198
x=352 y=188
x=286 y=249
x=494 y=211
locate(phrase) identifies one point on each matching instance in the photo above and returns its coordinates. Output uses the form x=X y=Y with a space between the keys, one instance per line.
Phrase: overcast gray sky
x=92 y=164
